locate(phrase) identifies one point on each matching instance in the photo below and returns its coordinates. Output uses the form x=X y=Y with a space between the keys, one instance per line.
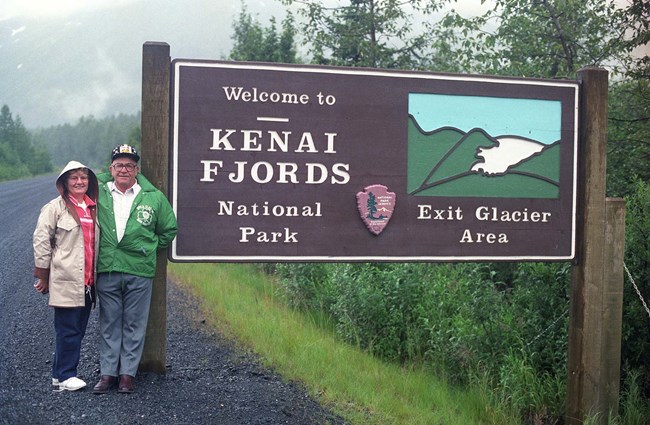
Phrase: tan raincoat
x=59 y=244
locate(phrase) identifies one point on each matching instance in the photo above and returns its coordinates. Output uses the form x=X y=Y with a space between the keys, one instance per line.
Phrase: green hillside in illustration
x=440 y=162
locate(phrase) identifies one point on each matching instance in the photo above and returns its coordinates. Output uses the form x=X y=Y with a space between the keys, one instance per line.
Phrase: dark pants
x=70 y=328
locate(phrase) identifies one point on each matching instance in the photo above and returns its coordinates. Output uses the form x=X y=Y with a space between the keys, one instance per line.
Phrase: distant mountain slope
x=56 y=69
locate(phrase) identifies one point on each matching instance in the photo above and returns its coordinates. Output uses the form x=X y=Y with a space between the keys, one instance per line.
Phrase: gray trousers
x=124 y=302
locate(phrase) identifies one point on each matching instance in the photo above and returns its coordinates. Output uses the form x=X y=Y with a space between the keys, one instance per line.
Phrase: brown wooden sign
x=301 y=163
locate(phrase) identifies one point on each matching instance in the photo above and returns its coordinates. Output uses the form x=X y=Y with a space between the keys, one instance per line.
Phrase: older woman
x=65 y=247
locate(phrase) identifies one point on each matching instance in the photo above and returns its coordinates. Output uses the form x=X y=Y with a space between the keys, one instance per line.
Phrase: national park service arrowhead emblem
x=376 y=205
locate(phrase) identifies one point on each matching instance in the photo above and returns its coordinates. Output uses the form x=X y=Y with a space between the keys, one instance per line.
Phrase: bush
x=383 y=308
x=501 y=325
x=446 y=315
x=306 y=286
x=540 y=301
x=636 y=321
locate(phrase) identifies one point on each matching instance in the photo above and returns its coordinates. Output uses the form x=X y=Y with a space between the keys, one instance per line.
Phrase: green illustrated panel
x=449 y=161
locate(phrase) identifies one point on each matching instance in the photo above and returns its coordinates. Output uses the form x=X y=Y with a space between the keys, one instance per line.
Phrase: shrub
x=636 y=321
x=306 y=286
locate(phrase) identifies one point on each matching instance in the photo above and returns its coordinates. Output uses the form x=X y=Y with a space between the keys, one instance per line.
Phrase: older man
x=136 y=220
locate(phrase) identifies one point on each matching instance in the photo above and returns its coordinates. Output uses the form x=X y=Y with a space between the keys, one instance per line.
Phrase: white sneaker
x=71 y=384
x=55 y=382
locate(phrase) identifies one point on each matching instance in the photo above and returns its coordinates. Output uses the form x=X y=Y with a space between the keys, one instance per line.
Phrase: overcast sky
x=63 y=59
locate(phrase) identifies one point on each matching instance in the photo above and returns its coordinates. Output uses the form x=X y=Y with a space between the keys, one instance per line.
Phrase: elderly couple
x=75 y=262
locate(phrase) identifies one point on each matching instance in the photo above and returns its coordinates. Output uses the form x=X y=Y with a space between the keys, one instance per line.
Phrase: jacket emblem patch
x=144 y=214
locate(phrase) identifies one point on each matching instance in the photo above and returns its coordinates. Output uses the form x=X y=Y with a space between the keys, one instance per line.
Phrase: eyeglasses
x=119 y=166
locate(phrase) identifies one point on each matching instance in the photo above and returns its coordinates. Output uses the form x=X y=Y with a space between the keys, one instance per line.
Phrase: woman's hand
x=42 y=286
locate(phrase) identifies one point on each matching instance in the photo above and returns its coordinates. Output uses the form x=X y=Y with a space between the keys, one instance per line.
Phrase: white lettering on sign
x=426 y=212
x=263 y=172
x=256 y=96
x=265 y=209
x=248 y=141
x=490 y=238
x=210 y=168
x=495 y=214
x=250 y=233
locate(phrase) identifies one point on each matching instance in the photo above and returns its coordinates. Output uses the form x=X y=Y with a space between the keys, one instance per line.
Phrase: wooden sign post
x=155 y=139
x=597 y=280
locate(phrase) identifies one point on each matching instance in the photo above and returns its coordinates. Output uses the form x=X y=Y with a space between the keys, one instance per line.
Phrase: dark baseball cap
x=125 y=150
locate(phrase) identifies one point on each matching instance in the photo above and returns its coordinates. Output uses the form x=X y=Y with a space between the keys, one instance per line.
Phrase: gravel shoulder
x=208 y=380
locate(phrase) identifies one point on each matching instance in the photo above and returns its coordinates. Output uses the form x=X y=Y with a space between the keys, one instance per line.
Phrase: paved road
x=20 y=203
x=207 y=381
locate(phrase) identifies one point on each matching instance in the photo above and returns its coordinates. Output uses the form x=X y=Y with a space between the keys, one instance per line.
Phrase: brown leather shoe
x=105 y=384
x=126 y=384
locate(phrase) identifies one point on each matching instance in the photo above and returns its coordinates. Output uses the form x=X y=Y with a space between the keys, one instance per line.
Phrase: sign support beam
x=155 y=153
x=613 y=303
x=596 y=281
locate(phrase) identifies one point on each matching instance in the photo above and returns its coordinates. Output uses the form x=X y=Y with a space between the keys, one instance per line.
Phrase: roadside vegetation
x=244 y=303
x=479 y=352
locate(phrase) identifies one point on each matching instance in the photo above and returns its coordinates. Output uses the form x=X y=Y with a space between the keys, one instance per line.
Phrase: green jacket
x=151 y=226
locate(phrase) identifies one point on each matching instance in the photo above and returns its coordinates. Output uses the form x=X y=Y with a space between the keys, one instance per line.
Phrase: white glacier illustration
x=509 y=151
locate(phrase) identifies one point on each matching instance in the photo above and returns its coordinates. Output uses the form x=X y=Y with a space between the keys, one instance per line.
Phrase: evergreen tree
x=90 y=140
x=252 y=42
x=287 y=43
x=372 y=205
x=19 y=157
x=372 y=33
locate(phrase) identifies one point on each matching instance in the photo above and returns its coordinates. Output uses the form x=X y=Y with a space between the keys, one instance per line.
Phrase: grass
x=239 y=301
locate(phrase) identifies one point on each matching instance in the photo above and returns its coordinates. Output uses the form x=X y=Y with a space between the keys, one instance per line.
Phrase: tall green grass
x=240 y=301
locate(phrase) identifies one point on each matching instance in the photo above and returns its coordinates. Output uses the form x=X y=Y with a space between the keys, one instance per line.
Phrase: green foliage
x=252 y=42
x=628 y=149
x=240 y=301
x=540 y=303
x=534 y=395
x=19 y=155
x=635 y=408
x=636 y=18
x=551 y=38
x=507 y=323
x=540 y=38
x=90 y=140
x=377 y=309
x=629 y=105
x=636 y=320
x=306 y=286
x=372 y=33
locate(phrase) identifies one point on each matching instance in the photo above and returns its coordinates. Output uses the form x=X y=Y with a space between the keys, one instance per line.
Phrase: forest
x=503 y=325
x=20 y=155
